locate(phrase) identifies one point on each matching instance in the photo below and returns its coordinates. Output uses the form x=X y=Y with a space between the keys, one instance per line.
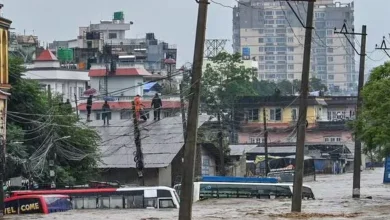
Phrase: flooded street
x=333 y=196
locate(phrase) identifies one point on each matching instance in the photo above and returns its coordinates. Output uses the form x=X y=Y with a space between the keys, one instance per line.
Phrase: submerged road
x=333 y=201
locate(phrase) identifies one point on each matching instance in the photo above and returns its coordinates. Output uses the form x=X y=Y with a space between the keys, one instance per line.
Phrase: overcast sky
x=171 y=20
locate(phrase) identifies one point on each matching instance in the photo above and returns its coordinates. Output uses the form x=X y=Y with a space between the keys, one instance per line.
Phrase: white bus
x=206 y=190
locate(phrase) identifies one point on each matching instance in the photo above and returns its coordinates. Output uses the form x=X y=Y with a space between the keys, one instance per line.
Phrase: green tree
x=224 y=81
x=317 y=85
x=39 y=129
x=373 y=124
x=264 y=88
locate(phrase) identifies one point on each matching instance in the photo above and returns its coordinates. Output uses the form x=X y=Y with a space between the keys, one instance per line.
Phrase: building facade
x=69 y=83
x=4 y=77
x=327 y=119
x=268 y=31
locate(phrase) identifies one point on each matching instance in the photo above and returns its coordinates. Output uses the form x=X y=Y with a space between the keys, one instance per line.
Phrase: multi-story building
x=4 y=76
x=269 y=31
x=148 y=51
x=326 y=119
x=69 y=83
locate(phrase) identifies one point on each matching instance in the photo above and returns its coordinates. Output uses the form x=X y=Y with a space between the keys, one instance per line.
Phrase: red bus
x=36 y=204
x=115 y=198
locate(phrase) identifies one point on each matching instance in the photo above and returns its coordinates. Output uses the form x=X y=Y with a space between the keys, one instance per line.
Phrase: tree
x=317 y=85
x=224 y=81
x=373 y=124
x=39 y=128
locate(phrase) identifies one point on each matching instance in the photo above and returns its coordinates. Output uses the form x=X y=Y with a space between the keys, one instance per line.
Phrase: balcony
x=333 y=125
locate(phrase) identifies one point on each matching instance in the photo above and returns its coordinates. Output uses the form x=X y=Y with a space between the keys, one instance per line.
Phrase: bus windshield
x=57 y=203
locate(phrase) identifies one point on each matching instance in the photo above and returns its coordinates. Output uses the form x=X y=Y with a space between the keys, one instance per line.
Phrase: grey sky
x=171 y=20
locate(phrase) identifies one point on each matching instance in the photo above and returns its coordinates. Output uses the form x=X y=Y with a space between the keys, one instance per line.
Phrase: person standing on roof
x=138 y=106
x=89 y=108
x=106 y=112
x=156 y=105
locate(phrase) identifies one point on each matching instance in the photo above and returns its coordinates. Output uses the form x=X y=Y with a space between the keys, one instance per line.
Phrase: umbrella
x=89 y=92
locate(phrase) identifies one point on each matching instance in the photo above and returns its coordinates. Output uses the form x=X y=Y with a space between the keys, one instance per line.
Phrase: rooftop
x=122 y=105
x=46 y=55
x=161 y=142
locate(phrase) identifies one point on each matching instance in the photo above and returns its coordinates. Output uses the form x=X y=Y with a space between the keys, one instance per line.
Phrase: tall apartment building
x=268 y=31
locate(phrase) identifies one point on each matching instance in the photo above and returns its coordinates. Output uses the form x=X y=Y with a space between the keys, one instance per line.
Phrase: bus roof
x=143 y=188
x=235 y=183
x=35 y=196
x=63 y=191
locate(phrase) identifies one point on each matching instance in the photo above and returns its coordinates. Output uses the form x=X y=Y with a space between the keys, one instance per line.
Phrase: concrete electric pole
x=186 y=195
x=357 y=160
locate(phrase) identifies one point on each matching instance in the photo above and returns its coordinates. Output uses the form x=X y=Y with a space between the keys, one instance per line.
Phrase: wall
x=165 y=176
x=130 y=176
x=62 y=82
x=116 y=83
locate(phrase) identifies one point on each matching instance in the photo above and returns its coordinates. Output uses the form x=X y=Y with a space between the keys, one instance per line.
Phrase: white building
x=62 y=80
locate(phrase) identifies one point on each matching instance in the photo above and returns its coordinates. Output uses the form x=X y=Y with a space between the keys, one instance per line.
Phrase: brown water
x=333 y=196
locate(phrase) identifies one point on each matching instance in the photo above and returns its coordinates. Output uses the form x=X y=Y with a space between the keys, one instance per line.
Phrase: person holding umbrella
x=89 y=108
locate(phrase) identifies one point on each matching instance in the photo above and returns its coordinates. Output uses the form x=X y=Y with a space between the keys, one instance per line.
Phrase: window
x=290 y=58
x=330 y=50
x=332 y=139
x=290 y=40
x=330 y=59
x=331 y=67
x=81 y=91
x=291 y=76
x=291 y=66
x=166 y=204
x=261 y=58
x=329 y=32
x=116 y=202
x=205 y=165
x=331 y=77
x=135 y=200
x=276 y=114
x=256 y=140
x=261 y=49
x=112 y=36
x=294 y=114
x=290 y=49
x=125 y=114
x=253 y=114
x=261 y=31
x=269 y=13
x=261 y=40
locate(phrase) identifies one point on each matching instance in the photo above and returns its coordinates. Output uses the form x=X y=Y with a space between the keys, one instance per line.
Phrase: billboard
x=246 y=53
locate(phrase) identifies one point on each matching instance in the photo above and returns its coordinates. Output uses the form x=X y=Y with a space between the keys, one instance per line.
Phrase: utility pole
x=139 y=157
x=49 y=93
x=265 y=142
x=220 y=142
x=301 y=131
x=183 y=113
x=186 y=195
x=383 y=47
x=357 y=160
x=77 y=108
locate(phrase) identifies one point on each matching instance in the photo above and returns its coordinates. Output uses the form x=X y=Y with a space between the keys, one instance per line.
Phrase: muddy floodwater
x=333 y=201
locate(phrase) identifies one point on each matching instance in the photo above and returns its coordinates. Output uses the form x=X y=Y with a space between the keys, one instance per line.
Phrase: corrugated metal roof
x=273 y=150
x=240 y=149
x=161 y=141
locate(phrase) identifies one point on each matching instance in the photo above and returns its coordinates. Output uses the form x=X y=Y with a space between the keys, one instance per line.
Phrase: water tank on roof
x=119 y=15
x=150 y=36
x=65 y=54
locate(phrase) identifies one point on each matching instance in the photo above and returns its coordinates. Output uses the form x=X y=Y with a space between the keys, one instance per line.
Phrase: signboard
x=246 y=53
x=23 y=206
x=386 y=177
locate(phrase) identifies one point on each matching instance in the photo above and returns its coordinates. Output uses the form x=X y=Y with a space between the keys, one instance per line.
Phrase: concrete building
x=4 y=75
x=162 y=145
x=269 y=32
x=327 y=119
x=62 y=80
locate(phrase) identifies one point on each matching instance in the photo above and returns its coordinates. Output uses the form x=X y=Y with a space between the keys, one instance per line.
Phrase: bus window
x=104 y=202
x=163 y=193
x=166 y=204
x=134 y=201
x=78 y=203
x=283 y=191
x=90 y=202
x=55 y=204
x=116 y=202
x=150 y=203
x=30 y=206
